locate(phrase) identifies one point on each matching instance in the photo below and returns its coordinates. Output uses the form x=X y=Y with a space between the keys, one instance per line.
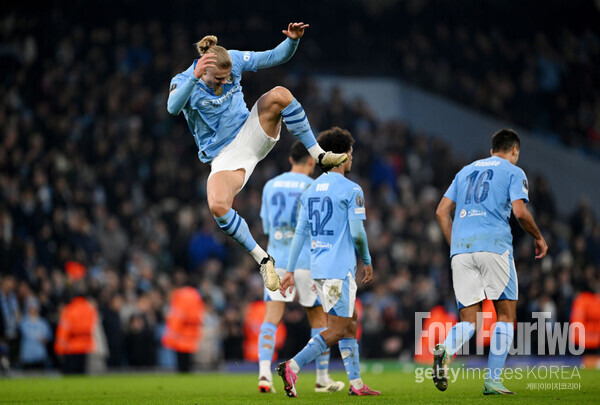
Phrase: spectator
x=139 y=343
x=9 y=322
x=35 y=333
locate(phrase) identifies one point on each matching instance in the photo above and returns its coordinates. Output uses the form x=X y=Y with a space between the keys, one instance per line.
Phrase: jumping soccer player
x=333 y=211
x=480 y=240
x=279 y=212
x=231 y=138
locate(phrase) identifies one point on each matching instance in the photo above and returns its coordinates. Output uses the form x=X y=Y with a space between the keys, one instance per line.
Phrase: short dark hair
x=299 y=153
x=336 y=140
x=504 y=140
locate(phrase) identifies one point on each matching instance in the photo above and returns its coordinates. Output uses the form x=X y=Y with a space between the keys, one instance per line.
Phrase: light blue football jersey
x=327 y=207
x=279 y=214
x=215 y=119
x=483 y=192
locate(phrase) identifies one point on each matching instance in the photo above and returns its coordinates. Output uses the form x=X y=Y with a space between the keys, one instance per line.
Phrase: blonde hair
x=209 y=44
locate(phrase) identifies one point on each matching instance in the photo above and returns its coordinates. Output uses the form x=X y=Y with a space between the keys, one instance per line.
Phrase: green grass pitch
x=397 y=386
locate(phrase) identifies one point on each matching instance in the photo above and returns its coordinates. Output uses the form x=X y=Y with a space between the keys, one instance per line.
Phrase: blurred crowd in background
x=94 y=170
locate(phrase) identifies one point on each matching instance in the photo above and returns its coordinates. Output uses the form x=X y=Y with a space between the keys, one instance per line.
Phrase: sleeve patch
x=359 y=211
x=173 y=87
x=525 y=186
x=360 y=201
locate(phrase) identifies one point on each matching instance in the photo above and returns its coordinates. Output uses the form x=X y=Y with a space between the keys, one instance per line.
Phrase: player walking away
x=482 y=253
x=333 y=211
x=231 y=138
x=279 y=212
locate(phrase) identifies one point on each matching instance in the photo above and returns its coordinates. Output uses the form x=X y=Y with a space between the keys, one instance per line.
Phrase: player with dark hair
x=333 y=211
x=482 y=195
x=279 y=212
x=231 y=138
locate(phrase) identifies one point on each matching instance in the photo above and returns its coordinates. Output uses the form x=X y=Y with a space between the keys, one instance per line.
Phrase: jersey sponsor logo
x=476 y=213
x=463 y=213
x=322 y=187
x=317 y=244
x=360 y=201
x=219 y=101
x=483 y=163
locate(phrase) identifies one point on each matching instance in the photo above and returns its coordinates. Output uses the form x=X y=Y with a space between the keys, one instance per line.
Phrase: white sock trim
x=258 y=254
x=315 y=151
x=264 y=369
x=357 y=383
x=322 y=376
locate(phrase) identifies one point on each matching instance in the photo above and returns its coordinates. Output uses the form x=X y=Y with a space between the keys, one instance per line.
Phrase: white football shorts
x=249 y=147
x=481 y=275
x=338 y=296
x=303 y=284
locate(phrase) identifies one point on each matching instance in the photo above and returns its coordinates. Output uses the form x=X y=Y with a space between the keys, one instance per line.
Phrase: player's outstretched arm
x=284 y=51
x=528 y=224
x=444 y=217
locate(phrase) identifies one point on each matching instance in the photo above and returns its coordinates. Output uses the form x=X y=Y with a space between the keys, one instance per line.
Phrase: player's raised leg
x=221 y=189
x=278 y=104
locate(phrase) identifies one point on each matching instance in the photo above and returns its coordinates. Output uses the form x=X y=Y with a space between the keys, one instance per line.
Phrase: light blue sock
x=458 y=335
x=297 y=123
x=266 y=341
x=235 y=226
x=500 y=345
x=321 y=362
x=315 y=346
x=349 y=352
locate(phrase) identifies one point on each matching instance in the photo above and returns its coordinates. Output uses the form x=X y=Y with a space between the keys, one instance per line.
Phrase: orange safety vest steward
x=184 y=321
x=74 y=334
